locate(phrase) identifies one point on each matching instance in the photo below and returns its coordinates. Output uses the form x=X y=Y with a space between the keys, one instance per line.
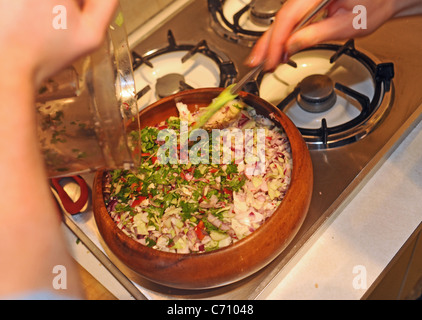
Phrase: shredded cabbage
x=194 y=208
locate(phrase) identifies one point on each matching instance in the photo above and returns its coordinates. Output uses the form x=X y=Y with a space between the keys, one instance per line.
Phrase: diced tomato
x=199 y=234
x=227 y=191
x=202 y=199
x=138 y=201
x=134 y=186
x=200 y=230
x=214 y=170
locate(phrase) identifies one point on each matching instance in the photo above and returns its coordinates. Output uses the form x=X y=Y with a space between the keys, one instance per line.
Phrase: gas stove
x=353 y=103
x=243 y=21
x=180 y=66
x=336 y=96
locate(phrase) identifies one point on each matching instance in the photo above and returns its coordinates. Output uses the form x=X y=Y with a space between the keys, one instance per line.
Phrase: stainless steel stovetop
x=338 y=172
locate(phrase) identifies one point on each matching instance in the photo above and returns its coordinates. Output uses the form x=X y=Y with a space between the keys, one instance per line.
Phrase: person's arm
x=277 y=44
x=31 y=239
x=31 y=243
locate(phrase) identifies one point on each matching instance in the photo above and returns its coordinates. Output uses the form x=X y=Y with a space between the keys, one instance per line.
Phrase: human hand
x=33 y=47
x=277 y=44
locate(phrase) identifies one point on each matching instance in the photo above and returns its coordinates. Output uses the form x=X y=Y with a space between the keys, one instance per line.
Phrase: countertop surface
x=351 y=250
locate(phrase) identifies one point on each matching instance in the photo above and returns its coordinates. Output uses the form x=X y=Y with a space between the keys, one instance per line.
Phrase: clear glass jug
x=83 y=111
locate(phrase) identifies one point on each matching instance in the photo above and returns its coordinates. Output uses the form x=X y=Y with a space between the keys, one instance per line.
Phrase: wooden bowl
x=232 y=263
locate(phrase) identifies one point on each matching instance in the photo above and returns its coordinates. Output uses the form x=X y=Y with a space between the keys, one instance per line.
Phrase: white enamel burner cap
x=199 y=71
x=231 y=7
x=276 y=86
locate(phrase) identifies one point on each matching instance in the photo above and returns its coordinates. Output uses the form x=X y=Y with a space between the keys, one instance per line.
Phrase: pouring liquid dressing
x=83 y=112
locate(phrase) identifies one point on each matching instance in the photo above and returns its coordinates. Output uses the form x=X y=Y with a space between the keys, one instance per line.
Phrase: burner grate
x=171 y=82
x=249 y=22
x=370 y=110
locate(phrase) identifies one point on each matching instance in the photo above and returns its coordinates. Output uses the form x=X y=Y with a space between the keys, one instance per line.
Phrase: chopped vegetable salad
x=195 y=208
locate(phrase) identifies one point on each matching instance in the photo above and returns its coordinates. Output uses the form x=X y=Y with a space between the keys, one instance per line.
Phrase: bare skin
x=277 y=44
x=31 y=240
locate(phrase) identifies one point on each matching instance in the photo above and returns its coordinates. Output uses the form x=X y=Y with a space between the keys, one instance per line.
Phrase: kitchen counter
x=352 y=249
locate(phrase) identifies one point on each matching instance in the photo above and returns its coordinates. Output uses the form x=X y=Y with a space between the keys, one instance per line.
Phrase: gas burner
x=169 y=84
x=169 y=70
x=263 y=11
x=316 y=94
x=336 y=96
x=243 y=21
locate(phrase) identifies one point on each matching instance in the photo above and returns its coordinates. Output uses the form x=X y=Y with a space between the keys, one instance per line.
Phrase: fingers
x=337 y=5
x=100 y=11
x=96 y=16
x=80 y=3
x=339 y=25
x=287 y=19
x=271 y=47
x=330 y=29
x=260 y=49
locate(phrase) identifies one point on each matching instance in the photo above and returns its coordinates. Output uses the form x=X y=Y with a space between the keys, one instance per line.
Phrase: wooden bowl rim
x=300 y=157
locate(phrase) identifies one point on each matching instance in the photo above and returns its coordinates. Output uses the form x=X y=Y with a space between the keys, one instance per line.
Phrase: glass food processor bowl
x=83 y=112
